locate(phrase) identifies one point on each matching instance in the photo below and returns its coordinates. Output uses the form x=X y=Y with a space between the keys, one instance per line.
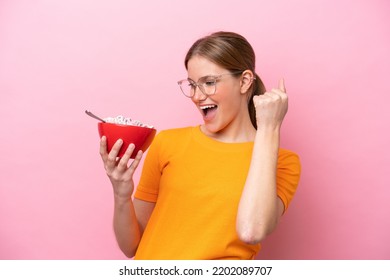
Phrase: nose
x=198 y=95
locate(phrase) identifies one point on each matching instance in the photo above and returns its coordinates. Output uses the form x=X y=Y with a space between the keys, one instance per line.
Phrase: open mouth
x=207 y=109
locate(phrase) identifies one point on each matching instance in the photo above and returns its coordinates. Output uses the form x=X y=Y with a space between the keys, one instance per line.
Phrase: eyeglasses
x=206 y=84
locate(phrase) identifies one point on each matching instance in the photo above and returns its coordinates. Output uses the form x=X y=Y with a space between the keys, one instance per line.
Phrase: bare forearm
x=258 y=211
x=126 y=228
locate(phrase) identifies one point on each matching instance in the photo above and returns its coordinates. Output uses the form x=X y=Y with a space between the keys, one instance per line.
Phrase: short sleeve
x=148 y=186
x=288 y=174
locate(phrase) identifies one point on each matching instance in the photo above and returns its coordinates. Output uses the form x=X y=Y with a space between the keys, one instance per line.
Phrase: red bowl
x=140 y=136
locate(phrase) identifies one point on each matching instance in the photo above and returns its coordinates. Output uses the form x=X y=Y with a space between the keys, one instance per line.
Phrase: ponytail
x=258 y=89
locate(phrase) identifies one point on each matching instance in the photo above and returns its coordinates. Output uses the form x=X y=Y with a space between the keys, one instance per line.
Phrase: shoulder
x=175 y=132
x=289 y=160
x=169 y=140
x=286 y=154
x=173 y=135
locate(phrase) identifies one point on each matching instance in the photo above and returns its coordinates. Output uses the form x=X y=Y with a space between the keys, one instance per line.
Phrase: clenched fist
x=271 y=107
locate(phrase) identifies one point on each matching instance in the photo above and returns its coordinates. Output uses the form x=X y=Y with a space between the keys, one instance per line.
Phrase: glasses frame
x=200 y=85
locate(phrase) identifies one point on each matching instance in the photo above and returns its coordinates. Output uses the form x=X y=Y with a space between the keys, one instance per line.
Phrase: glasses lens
x=209 y=85
x=186 y=87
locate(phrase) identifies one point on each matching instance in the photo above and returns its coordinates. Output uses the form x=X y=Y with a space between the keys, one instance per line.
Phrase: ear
x=247 y=78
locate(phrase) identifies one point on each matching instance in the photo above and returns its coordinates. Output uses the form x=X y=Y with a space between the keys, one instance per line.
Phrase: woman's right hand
x=119 y=170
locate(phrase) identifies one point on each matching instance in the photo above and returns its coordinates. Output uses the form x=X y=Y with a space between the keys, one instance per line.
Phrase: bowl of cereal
x=130 y=131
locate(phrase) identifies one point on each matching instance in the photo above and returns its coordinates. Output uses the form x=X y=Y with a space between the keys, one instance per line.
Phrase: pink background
x=58 y=58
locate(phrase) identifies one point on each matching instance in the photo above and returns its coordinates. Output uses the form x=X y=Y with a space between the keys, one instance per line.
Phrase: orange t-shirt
x=196 y=183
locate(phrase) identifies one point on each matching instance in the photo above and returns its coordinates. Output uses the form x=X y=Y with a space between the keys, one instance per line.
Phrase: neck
x=234 y=133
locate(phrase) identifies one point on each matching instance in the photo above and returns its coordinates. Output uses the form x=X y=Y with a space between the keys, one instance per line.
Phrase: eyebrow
x=204 y=77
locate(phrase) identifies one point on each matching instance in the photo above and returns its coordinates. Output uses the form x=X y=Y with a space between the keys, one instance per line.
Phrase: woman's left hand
x=271 y=107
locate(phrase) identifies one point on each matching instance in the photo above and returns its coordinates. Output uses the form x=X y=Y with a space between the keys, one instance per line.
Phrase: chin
x=211 y=128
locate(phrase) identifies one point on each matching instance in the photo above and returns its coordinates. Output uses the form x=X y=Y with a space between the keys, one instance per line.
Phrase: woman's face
x=225 y=111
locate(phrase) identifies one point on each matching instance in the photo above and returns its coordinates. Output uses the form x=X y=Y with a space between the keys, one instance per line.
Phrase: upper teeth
x=207 y=106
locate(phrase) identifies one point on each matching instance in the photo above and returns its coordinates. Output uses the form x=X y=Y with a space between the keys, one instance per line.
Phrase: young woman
x=216 y=190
